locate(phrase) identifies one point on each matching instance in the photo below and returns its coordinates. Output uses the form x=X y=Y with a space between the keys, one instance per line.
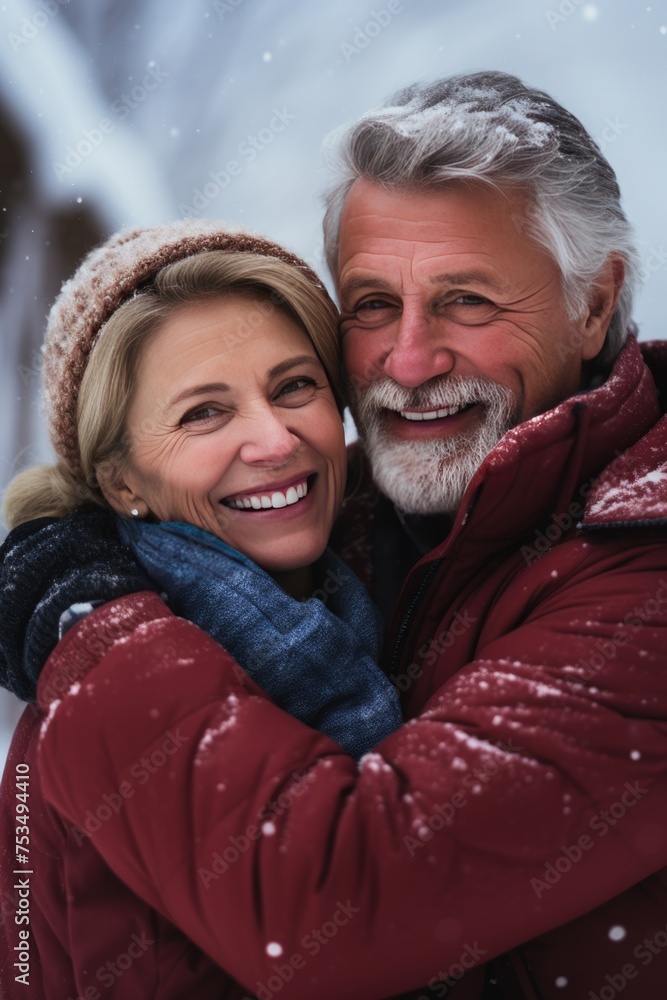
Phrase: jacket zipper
x=654 y=522
x=409 y=615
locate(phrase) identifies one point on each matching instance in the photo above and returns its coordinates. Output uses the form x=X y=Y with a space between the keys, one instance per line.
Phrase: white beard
x=430 y=476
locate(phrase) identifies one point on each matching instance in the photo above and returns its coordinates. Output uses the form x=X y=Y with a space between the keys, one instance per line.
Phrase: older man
x=485 y=270
x=508 y=840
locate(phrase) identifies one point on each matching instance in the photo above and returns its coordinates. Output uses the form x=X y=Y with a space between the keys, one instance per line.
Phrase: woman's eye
x=201 y=415
x=297 y=386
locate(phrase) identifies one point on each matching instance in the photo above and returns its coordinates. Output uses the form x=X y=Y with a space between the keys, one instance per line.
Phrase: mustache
x=453 y=390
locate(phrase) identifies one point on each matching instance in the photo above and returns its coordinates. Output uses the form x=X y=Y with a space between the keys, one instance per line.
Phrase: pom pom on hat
x=109 y=276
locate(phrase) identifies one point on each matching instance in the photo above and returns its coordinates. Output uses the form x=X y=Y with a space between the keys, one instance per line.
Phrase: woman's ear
x=117 y=493
x=602 y=302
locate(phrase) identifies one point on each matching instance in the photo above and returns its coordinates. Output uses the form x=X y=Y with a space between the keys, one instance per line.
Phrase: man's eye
x=471 y=300
x=371 y=310
x=372 y=305
x=370 y=313
x=468 y=309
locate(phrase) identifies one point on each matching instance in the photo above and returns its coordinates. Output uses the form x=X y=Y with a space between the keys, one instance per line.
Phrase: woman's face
x=234 y=428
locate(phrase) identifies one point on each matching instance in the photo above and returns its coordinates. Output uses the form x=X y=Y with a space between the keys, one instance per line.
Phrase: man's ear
x=602 y=302
x=116 y=491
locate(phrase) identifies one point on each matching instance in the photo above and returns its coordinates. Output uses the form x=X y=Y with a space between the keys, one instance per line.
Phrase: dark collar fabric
x=47 y=565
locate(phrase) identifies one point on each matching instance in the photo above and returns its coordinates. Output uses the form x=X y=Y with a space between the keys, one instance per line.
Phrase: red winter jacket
x=521 y=811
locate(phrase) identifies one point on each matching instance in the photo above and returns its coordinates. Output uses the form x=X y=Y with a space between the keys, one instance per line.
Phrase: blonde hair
x=108 y=382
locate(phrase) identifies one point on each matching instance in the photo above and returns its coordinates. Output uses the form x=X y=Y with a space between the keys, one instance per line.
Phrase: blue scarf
x=315 y=658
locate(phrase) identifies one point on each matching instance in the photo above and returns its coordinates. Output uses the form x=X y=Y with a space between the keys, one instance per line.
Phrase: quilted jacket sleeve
x=523 y=796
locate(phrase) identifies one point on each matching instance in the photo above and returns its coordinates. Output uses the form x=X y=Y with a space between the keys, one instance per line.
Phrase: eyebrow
x=472 y=277
x=200 y=390
x=363 y=281
x=210 y=388
x=300 y=359
x=360 y=282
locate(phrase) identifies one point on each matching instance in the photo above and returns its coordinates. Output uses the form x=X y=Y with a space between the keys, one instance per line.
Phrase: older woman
x=193 y=387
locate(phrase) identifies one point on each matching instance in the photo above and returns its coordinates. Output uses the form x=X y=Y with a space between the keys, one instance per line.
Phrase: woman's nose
x=268 y=441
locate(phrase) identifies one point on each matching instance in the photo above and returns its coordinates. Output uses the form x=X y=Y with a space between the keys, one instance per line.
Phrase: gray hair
x=489 y=127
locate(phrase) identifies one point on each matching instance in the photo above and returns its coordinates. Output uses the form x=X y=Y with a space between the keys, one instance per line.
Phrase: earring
x=134 y=512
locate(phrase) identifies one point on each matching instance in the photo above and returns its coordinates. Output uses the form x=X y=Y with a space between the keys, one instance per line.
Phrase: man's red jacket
x=182 y=824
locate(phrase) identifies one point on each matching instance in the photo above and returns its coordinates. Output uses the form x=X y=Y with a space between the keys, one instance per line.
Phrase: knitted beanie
x=109 y=276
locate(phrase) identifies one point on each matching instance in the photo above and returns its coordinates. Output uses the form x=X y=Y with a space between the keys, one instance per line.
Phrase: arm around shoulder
x=270 y=848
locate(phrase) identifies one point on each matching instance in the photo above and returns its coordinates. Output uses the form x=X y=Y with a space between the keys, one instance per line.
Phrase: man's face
x=454 y=329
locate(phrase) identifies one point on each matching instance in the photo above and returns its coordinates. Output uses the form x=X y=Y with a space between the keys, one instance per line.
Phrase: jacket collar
x=632 y=490
x=550 y=463
x=572 y=454
x=565 y=460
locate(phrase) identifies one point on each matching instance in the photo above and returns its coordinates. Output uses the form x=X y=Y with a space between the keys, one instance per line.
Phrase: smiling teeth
x=277 y=499
x=446 y=411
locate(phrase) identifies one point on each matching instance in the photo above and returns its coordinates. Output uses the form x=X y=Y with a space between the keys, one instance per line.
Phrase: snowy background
x=115 y=112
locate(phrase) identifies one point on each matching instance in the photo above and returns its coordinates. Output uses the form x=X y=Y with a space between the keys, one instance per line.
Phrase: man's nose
x=269 y=441
x=419 y=352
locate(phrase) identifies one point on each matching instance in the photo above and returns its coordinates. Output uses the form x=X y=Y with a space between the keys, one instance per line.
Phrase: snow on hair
x=489 y=127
